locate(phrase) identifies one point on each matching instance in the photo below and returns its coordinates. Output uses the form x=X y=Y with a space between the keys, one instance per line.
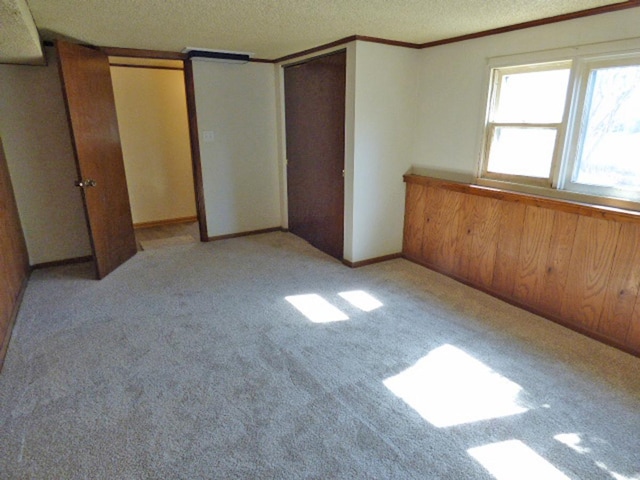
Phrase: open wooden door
x=315 y=120
x=88 y=93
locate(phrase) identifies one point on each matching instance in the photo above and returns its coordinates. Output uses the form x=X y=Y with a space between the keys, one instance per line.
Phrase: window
x=571 y=125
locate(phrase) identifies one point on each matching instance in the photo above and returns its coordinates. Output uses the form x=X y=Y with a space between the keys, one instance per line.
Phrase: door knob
x=86 y=183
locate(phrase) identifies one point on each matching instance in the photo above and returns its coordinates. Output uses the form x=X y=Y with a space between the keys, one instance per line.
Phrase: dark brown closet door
x=315 y=111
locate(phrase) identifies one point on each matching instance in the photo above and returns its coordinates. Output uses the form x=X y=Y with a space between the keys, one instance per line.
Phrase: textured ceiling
x=19 y=41
x=274 y=28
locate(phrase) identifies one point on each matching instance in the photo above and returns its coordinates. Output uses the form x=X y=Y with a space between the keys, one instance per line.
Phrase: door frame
x=194 y=139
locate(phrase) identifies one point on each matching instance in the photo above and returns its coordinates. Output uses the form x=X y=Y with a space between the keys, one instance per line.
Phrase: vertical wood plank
x=484 y=233
x=534 y=250
x=464 y=236
x=623 y=285
x=414 y=220
x=448 y=225
x=509 y=238
x=14 y=259
x=432 y=239
x=557 y=265
x=589 y=268
x=633 y=335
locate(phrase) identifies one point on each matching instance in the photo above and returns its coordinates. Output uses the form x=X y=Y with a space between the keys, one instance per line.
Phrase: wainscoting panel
x=14 y=261
x=575 y=264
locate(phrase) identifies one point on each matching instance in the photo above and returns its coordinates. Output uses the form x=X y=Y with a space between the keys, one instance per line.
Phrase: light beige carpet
x=166 y=242
x=262 y=358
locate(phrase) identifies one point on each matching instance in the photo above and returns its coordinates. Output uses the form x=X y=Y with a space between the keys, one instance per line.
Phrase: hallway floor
x=155 y=237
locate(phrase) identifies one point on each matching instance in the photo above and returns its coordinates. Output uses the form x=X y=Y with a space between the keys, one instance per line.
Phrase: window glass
x=507 y=155
x=609 y=144
x=532 y=97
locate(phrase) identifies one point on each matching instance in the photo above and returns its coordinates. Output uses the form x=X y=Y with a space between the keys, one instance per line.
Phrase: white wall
x=236 y=105
x=453 y=84
x=384 y=127
x=37 y=144
x=154 y=132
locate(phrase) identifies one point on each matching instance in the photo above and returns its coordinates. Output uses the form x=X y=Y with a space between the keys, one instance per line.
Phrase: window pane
x=609 y=145
x=522 y=151
x=532 y=97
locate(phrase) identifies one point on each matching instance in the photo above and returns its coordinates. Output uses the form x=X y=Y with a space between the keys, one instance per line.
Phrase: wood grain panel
x=433 y=225
x=414 y=220
x=446 y=232
x=555 y=204
x=590 y=265
x=577 y=267
x=557 y=266
x=633 y=336
x=14 y=260
x=534 y=251
x=483 y=230
x=91 y=111
x=623 y=285
x=509 y=238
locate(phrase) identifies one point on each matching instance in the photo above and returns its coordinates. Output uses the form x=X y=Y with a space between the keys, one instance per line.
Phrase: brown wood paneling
x=445 y=229
x=589 y=269
x=91 y=111
x=623 y=285
x=483 y=230
x=14 y=260
x=578 y=268
x=511 y=222
x=633 y=335
x=414 y=220
x=432 y=224
x=534 y=251
x=583 y=209
x=557 y=265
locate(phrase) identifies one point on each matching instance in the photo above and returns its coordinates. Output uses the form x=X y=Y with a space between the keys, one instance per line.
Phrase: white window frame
x=559 y=185
x=497 y=73
x=584 y=66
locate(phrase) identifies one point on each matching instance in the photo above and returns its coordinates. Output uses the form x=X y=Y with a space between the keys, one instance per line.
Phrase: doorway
x=314 y=92
x=151 y=104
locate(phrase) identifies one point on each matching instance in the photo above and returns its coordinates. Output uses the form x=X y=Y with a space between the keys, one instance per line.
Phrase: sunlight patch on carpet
x=362 y=300
x=572 y=440
x=316 y=308
x=450 y=387
x=513 y=459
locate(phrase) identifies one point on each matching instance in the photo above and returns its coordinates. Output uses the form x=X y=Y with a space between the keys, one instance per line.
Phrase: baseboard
x=371 y=261
x=170 y=221
x=60 y=263
x=12 y=320
x=553 y=318
x=246 y=234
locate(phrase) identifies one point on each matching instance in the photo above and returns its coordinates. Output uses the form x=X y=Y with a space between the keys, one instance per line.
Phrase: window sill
x=541 y=197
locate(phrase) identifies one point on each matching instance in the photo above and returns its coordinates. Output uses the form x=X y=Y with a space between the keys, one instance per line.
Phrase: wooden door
x=315 y=112
x=88 y=92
